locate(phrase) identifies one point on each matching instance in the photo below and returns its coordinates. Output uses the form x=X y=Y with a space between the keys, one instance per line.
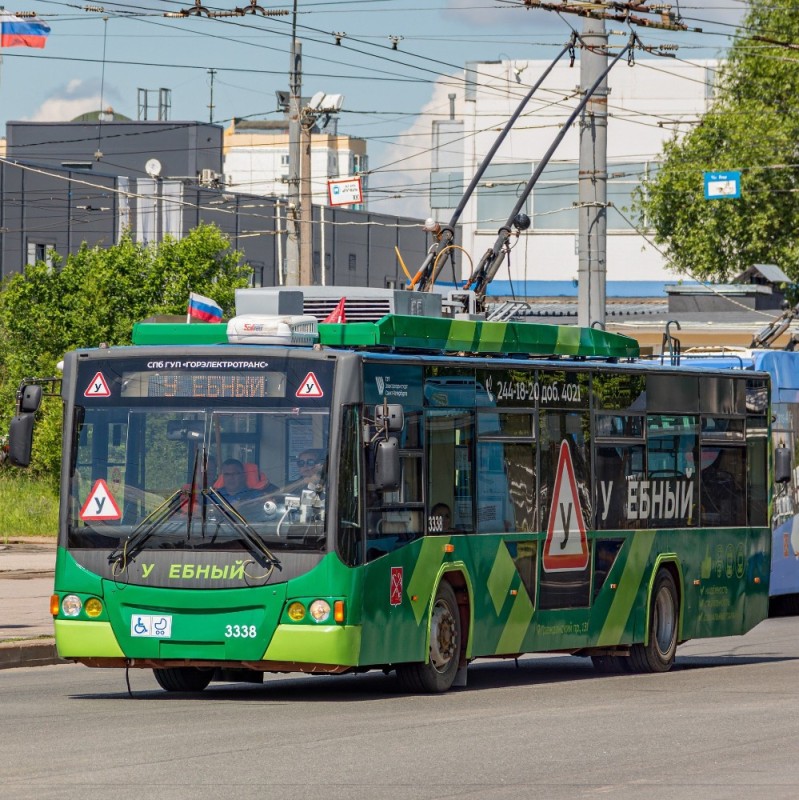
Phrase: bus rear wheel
x=438 y=674
x=183 y=679
x=658 y=654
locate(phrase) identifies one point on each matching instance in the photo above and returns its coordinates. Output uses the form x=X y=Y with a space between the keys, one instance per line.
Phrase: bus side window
x=450 y=449
x=723 y=482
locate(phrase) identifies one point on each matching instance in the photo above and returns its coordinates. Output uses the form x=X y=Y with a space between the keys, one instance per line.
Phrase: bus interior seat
x=255 y=478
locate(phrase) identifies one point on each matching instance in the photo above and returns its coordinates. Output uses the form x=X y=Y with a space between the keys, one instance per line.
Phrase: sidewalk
x=26 y=583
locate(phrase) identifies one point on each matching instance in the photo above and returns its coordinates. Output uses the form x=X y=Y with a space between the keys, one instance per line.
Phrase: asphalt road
x=724 y=724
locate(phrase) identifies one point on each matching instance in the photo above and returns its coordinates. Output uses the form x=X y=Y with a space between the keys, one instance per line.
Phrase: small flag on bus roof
x=22 y=32
x=203 y=308
x=337 y=314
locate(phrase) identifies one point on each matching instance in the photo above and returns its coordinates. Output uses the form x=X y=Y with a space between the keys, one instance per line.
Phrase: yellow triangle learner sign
x=566 y=545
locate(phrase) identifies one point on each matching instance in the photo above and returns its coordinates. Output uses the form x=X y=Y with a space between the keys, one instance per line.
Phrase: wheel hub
x=443 y=637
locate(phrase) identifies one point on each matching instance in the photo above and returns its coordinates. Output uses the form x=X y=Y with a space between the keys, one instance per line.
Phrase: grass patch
x=28 y=506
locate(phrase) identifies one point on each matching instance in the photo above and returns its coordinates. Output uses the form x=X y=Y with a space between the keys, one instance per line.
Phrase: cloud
x=72 y=99
x=401 y=183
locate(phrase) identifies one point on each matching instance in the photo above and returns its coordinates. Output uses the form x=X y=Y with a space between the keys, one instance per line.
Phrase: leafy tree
x=96 y=297
x=753 y=126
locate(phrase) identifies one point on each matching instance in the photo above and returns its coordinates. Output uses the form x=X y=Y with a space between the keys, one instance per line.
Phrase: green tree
x=96 y=297
x=753 y=126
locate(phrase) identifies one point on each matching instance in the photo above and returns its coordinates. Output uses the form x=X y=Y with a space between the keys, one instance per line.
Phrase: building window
x=351 y=264
x=284 y=160
x=555 y=193
x=498 y=192
x=553 y=204
x=40 y=252
x=446 y=189
x=554 y=198
x=257 y=277
x=623 y=180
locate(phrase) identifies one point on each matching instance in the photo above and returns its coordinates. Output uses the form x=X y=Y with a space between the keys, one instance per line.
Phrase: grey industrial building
x=66 y=183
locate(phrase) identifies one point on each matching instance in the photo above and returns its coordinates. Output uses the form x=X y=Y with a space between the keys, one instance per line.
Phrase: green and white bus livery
x=414 y=493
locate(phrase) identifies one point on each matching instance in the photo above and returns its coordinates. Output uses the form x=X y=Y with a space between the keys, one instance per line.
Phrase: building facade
x=647 y=105
x=53 y=201
x=257 y=161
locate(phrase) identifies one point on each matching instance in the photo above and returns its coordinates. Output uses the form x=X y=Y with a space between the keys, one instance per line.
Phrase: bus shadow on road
x=529 y=671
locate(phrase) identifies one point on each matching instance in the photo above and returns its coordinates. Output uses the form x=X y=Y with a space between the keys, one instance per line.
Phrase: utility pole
x=293 y=211
x=211 y=72
x=592 y=178
x=592 y=230
x=307 y=122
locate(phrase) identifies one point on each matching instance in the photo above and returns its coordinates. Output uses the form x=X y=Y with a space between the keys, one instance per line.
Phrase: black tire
x=658 y=654
x=438 y=674
x=183 y=679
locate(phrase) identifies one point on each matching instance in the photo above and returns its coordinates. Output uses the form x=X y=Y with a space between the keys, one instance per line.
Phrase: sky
x=101 y=55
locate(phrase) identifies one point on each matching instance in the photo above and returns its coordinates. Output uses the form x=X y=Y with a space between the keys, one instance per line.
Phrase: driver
x=235 y=489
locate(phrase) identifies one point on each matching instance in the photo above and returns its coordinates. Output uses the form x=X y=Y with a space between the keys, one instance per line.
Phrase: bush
x=96 y=297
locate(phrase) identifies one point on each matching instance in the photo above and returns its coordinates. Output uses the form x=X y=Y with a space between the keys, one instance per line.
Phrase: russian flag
x=203 y=308
x=16 y=32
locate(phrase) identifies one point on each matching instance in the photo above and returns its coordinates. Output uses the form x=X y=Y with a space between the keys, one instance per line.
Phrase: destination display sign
x=204 y=385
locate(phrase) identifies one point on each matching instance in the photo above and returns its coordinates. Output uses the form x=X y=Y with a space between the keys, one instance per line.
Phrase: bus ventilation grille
x=356 y=309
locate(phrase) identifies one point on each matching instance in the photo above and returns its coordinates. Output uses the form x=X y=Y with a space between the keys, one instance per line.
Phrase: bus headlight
x=71 y=605
x=320 y=610
x=296 y=611
x=93 y=607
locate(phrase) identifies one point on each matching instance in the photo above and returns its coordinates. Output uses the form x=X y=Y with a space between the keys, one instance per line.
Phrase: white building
x=647 y=104
x=256 y=159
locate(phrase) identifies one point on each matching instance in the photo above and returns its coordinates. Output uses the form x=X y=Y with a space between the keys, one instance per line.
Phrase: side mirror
x=20 y=440
x=782 y=464
x=387 y=465
x=390 y=415
x=29 y=398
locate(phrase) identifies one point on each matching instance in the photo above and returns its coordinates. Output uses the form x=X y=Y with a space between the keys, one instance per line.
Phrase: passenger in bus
x=441 y=519
x=311 y=466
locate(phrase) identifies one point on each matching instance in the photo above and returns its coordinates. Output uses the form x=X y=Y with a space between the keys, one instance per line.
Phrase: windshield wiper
x=146 y=528
x=243 y=529
x=192 y=492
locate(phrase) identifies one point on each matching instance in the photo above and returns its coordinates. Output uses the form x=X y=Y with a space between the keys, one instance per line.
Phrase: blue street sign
x=722 y=185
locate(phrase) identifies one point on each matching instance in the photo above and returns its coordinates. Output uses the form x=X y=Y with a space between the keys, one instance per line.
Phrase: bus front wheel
x=658 y=654
x=183 y=679
x=438 y=674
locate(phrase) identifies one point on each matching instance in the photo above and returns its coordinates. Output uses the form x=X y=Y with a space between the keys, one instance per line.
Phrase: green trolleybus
x=407 y=494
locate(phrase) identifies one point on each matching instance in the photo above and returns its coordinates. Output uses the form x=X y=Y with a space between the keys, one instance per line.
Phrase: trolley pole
x=593 y=176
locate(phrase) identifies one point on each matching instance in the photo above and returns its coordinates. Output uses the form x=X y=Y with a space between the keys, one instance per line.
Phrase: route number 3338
x=240 y=631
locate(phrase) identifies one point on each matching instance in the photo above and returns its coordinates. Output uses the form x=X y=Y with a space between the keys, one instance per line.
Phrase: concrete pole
x=592 y=230
x=306 y=205
x=293 y=210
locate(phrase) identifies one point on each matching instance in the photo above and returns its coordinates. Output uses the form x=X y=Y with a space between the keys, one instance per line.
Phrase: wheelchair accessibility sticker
x=158 y=626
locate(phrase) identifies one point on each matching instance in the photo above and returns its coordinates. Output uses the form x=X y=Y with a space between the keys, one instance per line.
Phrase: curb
x=30 y=653
x=24 y=574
